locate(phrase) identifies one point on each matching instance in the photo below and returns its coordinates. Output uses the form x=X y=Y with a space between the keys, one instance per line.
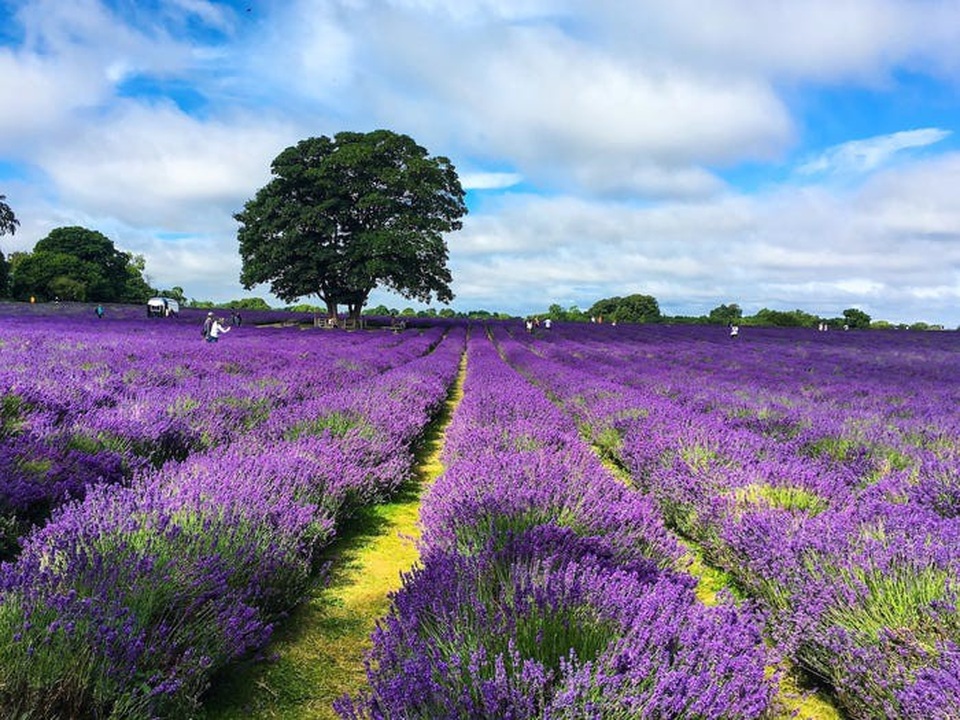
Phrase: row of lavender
x=821 y=471
x=549 y=589
x=236 y=463
x=87 y=399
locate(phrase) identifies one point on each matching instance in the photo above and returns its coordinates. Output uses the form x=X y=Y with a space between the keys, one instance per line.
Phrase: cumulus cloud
x=791 y=247
x=806 y=40
x=156 y=166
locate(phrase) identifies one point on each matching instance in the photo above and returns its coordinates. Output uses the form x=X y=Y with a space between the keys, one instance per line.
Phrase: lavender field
x=163 y=502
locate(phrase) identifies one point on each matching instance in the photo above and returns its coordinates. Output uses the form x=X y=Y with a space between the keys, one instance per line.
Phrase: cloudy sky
x=773 y=153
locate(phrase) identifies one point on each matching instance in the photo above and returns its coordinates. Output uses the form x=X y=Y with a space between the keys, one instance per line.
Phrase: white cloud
x=795 y=247
x=858 y=156
x=803 y=40
x=158 y=167
x=489 y=180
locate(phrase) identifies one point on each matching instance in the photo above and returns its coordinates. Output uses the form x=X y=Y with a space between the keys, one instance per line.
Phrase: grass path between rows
x=799 y=701
x=317 y=653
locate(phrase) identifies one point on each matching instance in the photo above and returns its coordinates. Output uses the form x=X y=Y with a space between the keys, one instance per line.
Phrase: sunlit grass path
x=319 y=650
x=797 y=699
x=798 y=702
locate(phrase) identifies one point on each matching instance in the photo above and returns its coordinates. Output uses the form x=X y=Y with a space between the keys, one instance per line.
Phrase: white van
x=162 y=307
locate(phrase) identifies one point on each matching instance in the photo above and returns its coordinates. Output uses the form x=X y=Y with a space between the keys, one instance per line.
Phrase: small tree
x=342 y=216
x=637 y=309
x=634 y=308
x=88 y=259
x=605 y=307
x=726 y=314
x=855 y=318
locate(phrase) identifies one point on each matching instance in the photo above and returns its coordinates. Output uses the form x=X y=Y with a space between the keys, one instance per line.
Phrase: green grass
x=798 y=698
x=317 y=653
x=784 y=497
x=319 y=649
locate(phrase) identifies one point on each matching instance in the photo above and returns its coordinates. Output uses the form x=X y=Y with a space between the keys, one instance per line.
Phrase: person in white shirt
x=217 y=329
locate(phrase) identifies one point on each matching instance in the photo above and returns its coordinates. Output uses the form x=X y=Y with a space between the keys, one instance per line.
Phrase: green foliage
x=780 y=318
x=630 y=309
x=856 y=319
x=897 y=598
x=42 y=274
x=74 y=263
x=248 y=304
x=8 y=221
x=305 y=308
x=342 y=216
x=571 y=314
x=336 y=424
x=549 y=634
x=12 y=410
x=4 y=277
x=726 y=314
x=783 y=497
x=175 y=293
x=67 y=288
x=609 y=441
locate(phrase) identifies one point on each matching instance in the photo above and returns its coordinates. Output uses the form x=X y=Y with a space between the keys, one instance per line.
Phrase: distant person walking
x=99 y=311
x=217 y=328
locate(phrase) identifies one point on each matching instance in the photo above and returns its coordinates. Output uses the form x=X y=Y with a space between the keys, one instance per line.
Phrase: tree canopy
x=74 y=263
x=345 y=215
x=856 y=318
x=634 y=308
x=726 y=314
x=8 y=226
x=8 y=221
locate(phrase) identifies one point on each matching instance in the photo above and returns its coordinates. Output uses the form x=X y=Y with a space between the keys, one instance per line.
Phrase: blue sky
x=786 y=155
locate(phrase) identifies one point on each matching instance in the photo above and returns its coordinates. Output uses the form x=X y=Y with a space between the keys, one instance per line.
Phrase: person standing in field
x=207 y=325
x=217 y=328
x=99 y=311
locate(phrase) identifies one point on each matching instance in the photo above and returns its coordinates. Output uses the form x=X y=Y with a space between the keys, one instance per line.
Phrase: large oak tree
x=342 y=216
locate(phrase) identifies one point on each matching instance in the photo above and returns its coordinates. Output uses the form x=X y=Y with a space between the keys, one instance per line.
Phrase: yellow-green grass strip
x=797 y=699
x=319 y=650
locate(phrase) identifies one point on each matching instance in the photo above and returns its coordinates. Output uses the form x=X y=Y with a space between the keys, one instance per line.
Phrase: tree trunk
x=355 y=304
x=355 y=309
